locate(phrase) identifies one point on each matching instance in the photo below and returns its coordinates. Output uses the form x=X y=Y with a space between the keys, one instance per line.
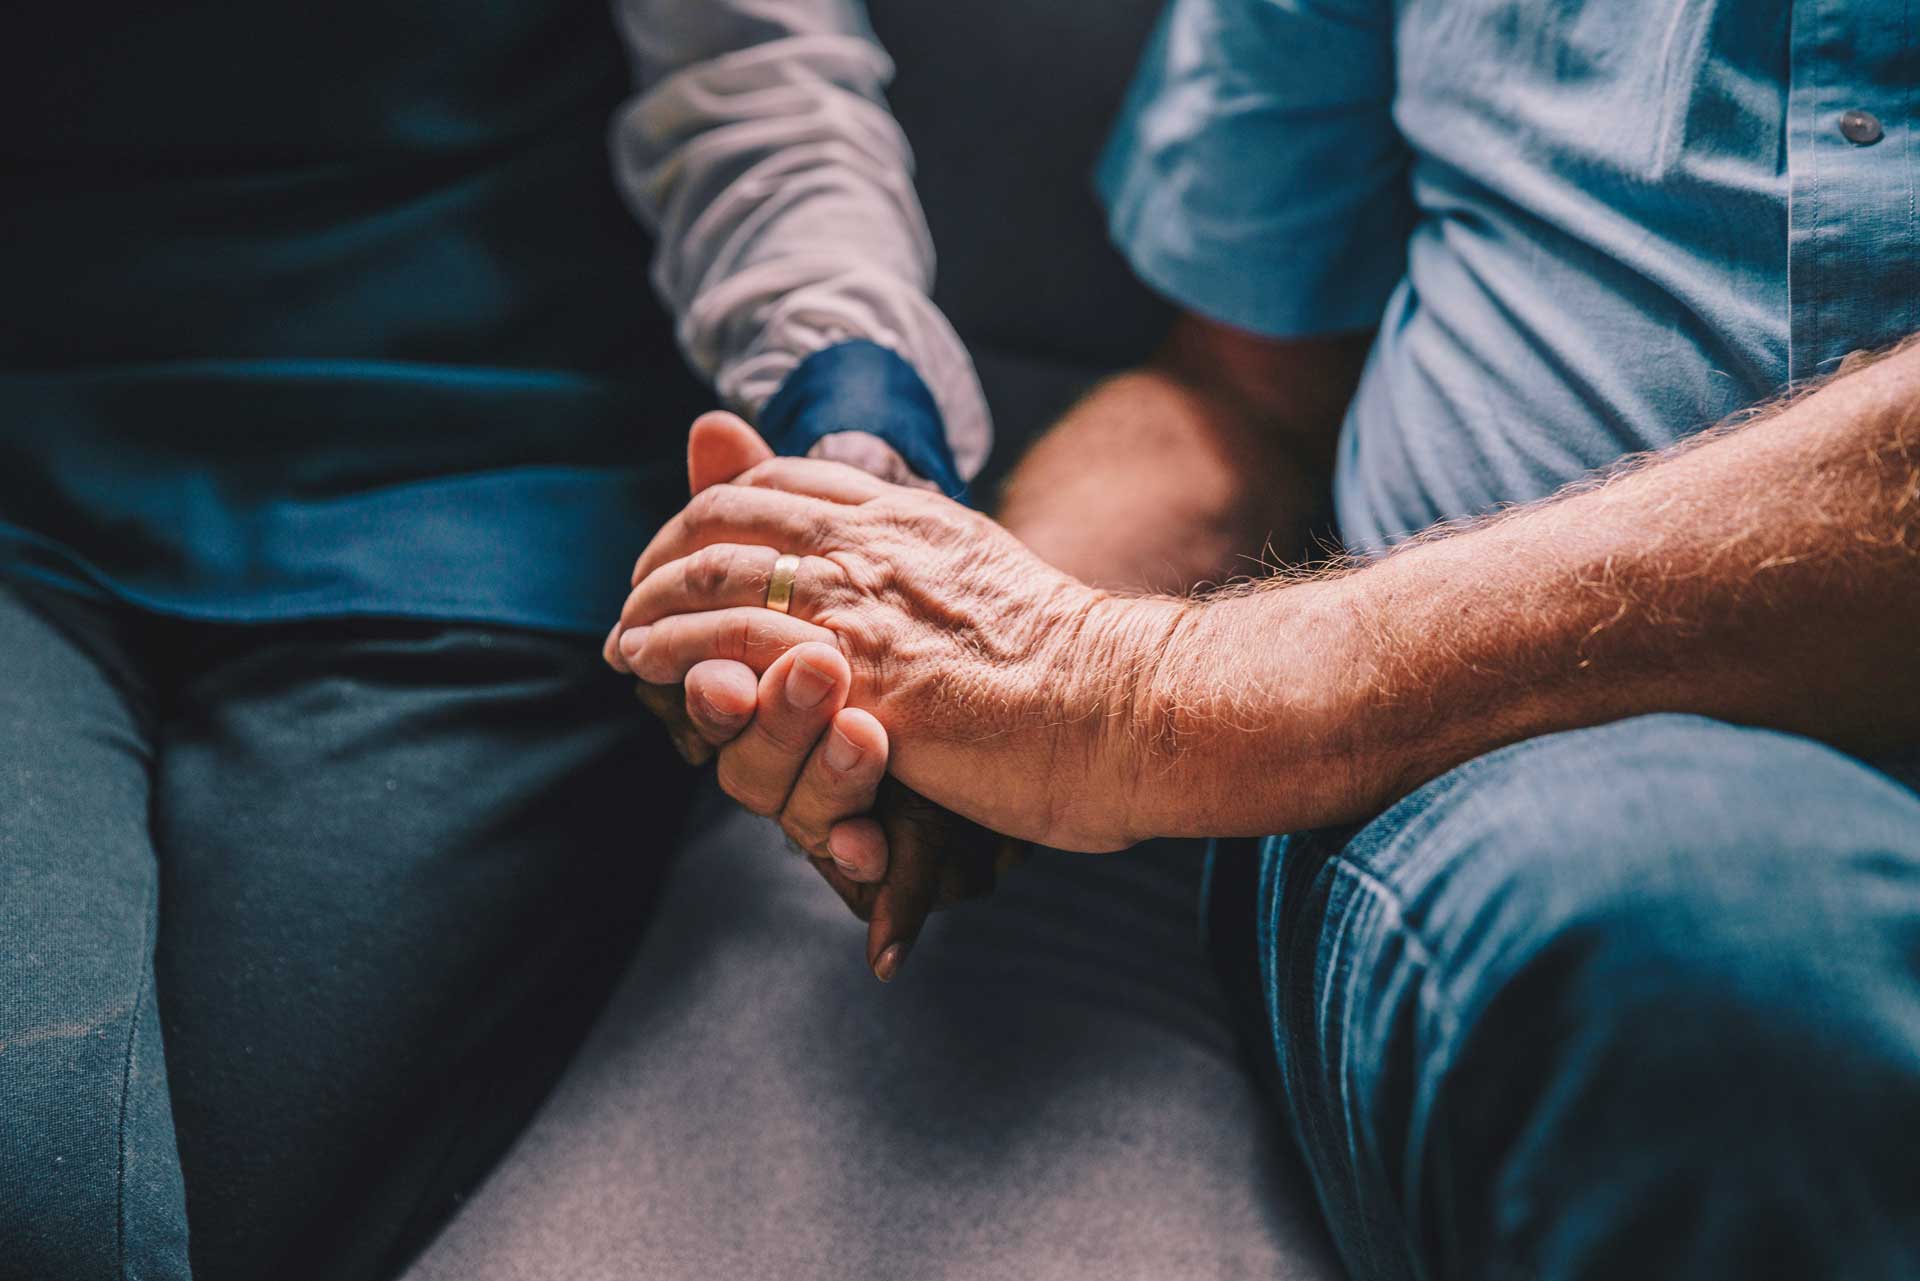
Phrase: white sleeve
x=760 y=151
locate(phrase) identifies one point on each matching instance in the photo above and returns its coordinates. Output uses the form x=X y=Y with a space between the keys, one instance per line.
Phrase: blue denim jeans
x=1638 y=1001
x=297 y=923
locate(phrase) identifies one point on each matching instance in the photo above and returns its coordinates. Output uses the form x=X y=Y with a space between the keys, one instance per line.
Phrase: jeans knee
x=1670 y=856
x=1680 y=966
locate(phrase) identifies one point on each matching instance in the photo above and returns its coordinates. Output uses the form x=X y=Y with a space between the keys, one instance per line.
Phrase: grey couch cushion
x=1049 y=1091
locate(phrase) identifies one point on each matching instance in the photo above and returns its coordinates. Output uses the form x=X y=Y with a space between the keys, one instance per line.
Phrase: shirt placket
x=1852 y=265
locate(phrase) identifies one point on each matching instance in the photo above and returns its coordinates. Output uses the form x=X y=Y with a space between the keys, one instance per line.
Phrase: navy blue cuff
x=862 y=386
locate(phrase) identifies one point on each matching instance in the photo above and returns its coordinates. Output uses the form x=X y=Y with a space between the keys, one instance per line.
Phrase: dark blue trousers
x=297 y=924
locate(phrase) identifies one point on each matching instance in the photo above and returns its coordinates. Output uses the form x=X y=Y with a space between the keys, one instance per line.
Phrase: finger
x=906 y=897
x=838 y=782
x=858 y=843
x=797 y=523
x=669 y=704
x=719 y=700
x=799 y=696
x=667 y=650
x=610 y=649
x=857 y=897
x=816 y=477
x=720 y=447
x=723 y=576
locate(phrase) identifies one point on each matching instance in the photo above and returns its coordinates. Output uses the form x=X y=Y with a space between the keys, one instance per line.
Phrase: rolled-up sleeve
x=1255 y=175
x=762 y=154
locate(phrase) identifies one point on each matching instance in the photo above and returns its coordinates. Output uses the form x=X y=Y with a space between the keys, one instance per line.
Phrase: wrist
x=1257 y=712
x=870 y=454
x=1129 y=657
x=860 y=386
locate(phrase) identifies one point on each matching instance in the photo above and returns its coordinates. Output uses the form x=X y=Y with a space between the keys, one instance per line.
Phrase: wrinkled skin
x=1004 y=683
x=890 y=854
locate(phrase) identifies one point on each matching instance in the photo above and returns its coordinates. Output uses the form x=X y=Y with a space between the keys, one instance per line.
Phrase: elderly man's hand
x=790 y=749
x=716 y=701
x=1006 y=685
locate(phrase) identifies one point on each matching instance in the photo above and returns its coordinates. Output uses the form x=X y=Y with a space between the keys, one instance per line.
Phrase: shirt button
x=1861 y=128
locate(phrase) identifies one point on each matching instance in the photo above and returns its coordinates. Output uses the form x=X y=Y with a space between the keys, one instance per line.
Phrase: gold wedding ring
x=780 y=583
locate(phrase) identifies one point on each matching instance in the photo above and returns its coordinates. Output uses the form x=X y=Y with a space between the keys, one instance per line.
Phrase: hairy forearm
x=1183 y=472
x=1767 y=574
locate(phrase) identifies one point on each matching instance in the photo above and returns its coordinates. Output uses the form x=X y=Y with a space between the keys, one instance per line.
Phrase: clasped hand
x=923 y=642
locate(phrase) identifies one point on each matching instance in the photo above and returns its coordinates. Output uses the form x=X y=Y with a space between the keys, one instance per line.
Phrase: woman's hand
x=1007 y=687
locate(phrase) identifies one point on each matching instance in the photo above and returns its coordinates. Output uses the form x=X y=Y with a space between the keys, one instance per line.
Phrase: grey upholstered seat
x=1049 y=1091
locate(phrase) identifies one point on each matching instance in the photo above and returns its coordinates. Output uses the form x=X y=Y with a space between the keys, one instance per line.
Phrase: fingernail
x=837 y=857
x=721 y=719
x=806 y=686
x=842 y=752
x=888 y=966
x=611 y=647
x=632 y=641
x=844 y=866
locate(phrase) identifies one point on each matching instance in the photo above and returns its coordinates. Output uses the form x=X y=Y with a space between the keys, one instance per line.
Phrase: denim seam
x=1342 y=858
x=1384 y=907
x=1369 y=874
x=1392 y=914
x=1421 y=826
x=1427 y=814
x=1437 y=1008
x=143 y=960
x=1431 y=814
x=1429 y=817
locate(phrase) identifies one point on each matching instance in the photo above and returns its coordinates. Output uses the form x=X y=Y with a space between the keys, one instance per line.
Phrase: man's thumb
x=720 y=447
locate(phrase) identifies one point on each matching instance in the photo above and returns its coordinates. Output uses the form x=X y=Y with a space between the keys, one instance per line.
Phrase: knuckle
x=821 y=529
x=711 y=507
x=707 y=570
x=831 y=589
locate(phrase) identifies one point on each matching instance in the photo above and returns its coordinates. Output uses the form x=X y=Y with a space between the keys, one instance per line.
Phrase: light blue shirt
x=1581 y=229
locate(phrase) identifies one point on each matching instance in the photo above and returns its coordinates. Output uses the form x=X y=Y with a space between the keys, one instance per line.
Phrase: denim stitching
x=1392 y=915
x=1369 y=875
x=1431 y=815
x=1381 y=907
